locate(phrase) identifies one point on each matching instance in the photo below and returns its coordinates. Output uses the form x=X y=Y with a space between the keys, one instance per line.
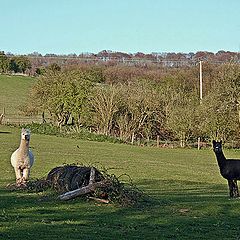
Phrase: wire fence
x=196 y=143
x=20 y=120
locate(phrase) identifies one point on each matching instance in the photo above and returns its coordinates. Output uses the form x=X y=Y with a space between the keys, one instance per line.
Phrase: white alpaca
x=22 y=159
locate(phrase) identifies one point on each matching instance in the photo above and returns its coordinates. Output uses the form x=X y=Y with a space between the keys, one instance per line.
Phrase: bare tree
x=104 y=102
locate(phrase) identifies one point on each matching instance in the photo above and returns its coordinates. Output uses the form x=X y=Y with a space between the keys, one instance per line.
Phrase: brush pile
x=72 y=181
x=71 y=177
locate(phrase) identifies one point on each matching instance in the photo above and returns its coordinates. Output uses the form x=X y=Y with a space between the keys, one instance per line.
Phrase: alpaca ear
x=214 y=142
x=221 y=141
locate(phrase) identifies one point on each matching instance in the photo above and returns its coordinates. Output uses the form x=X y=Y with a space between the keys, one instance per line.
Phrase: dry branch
x=99 y=200
x=92 y=176
x=84 y=190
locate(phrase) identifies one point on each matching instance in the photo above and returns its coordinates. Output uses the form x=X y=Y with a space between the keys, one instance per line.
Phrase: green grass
x=13 y=93
x=188 y=197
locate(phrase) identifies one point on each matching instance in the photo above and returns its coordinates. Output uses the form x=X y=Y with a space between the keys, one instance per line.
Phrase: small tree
x=4 y=63
x=182 y=118
x=54 y=67
x=220 y=108
x=105 y=103
x=62 y=94
x=180 y=103
x=217 y=119
x=20 y=64
x=136 y=110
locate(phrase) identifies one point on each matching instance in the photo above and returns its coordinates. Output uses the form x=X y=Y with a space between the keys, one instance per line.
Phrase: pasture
x=187 y=197
x=13 y=93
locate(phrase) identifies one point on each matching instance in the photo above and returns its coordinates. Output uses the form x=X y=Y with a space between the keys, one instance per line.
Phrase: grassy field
x=13 y=93
x=188 y=199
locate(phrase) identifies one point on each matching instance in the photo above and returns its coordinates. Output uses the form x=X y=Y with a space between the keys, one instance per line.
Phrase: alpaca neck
x=221 y=160
x=24 y=147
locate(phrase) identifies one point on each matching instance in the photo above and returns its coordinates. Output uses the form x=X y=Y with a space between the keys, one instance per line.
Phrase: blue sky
x=76 y=26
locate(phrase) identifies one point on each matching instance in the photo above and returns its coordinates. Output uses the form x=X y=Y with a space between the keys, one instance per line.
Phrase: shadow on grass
x=174 y=210
x=3 y=132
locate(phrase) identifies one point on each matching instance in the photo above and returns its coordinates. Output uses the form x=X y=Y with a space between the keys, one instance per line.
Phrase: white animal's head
x=25 y=135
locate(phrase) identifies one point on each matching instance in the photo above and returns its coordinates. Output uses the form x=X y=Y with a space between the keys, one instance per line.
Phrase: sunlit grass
x=187 y=196
x=13 y=93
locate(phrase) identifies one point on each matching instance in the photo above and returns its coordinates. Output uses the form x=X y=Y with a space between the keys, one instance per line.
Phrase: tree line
x=36 y=61
x=108 y=54
x=142 y=104
x=14 y=64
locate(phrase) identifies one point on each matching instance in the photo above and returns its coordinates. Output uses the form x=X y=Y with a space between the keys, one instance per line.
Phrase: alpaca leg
x=18 y=173
x=233 y=188
x=26 y=172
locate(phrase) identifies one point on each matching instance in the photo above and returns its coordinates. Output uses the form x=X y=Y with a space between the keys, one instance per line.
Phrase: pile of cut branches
x=72 y=181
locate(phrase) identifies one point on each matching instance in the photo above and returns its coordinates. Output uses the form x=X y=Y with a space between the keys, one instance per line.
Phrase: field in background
x=188 y=199
x=13 y=93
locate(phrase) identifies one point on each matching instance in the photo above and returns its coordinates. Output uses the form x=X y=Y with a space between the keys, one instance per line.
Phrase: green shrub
x=69 y=131
x=44 y=128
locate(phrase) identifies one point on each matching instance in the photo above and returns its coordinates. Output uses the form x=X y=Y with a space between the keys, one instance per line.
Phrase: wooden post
x=132 y=141
x=2 y=116
x=238 y=109
x=199 y=143
x=201 y=93
x=158 y=141
x=200 y=80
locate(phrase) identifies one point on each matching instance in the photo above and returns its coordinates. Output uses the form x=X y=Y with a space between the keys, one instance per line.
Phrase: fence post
x=132 y=141
x=199 y=143
x=157 y=140
x=2 y=116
